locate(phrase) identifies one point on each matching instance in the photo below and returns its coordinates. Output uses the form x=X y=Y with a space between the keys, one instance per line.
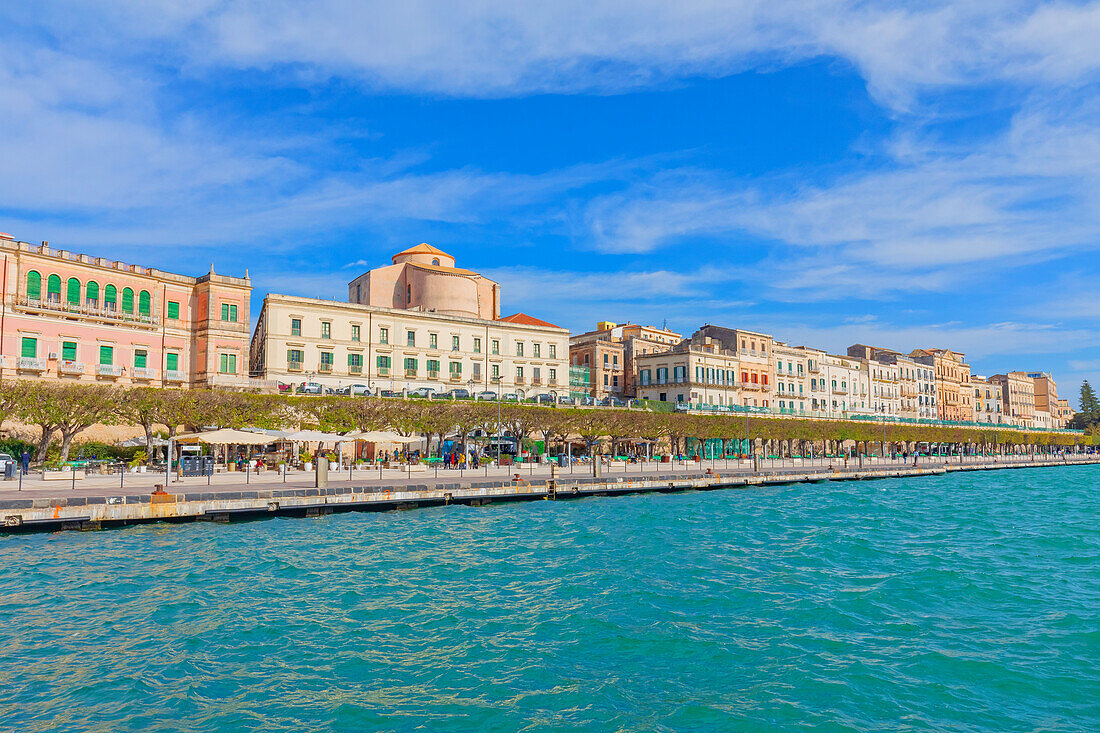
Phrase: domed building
x=419 y=322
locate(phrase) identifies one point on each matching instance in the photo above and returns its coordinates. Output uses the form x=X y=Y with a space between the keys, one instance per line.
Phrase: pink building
x=88 y=319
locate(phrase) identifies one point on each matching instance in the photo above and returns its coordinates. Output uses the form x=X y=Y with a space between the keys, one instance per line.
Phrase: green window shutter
x=141 y=358
x=326 y=357
x=91 y=291
x=53 y=286
x=233 y=313
x=173 y=309
x=68 y=351
x=172 y=362
x=127 y=300
x=225 y=311
x=110 y=295
x=30 y=347
x=145 y=303
x=72 y=291
x=223 y=364
x=34 y=285
x=106 y=354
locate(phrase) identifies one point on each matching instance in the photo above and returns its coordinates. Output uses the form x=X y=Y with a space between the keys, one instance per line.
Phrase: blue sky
x=904 y=174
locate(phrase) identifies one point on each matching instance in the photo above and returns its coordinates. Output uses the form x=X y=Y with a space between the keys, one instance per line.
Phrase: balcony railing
x=91 y=311
x=455 y=377
x=383 y=371
x=109 y=370
x=70 y=367
x=294 y=366
x=552 y=382
x=536 y=380
x=355 y=369
x=410 y=374
x=174 y=375
x=31 y=364
x=324 y=368
x=520 y=380
x=433 y=374
x=144 y=373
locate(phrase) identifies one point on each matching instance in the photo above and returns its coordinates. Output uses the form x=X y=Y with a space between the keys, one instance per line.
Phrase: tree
x=1090 y=406
x=75 y=408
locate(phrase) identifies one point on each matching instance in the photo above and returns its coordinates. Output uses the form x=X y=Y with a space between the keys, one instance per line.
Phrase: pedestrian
x=26 y=458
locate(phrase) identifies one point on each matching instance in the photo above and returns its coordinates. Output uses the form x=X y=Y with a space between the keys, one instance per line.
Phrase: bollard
x=321 y=473
x=121 y=475
x=247 y=471
x=73 y=469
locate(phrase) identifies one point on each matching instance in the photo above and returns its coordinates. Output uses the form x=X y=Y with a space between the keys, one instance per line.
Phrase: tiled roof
x=526 y=320
x=422 y=249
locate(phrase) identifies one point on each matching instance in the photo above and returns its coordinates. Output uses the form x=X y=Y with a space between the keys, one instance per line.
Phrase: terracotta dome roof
x=526 y=320
x=422 y=249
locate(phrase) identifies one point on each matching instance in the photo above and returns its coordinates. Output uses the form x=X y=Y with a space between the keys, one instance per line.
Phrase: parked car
x=458 y=394
x=487 y=396
x=388 y=393
x=5 y=459
x=286 y=387
x=309 y=388
x=589 y=401
x=509 y=397
x=427 y=392
x=359 y=390
x=567 y=401
x=611 y=402
x=545 y=399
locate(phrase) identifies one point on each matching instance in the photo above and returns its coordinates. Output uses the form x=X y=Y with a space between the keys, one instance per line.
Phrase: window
x=410 y=365
x=536 y=350
x=110 y=297
x=91 y=293
x=554 y=351
x=106 y=355
x=606 y=359
x=68 y=351
x=519 y=373
x=229 y=312
x=678 y=373
x=172 y=362
x=227 y=364
x=326 y=360
x=606 y=380
x=127 y=300
x=519 y=348
x=73 y=292
x=145 y=304
x=326 y=329
x=34 y=285
x=410 y=338
x=141 y=358
x=454 y=343
x=354 y=332
x=477 y=370
x=477 y=345
x=553 y=374
x=294 y=358
x=53 y=288
x=495 y=371
x=173 y=308
x=496 y=346
x=456 y=368
x=29 y=348
x=383 y=335
x=433 y=341
x=662 y=375
x=295 y=326
x=383 y=362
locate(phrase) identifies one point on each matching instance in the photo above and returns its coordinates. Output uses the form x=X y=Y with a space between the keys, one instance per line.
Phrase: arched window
x=53 y=287
x=110 y=297
x=127 y=300
x=91 y=293
x=435 y=261
x=34 y=285
x=144 y=303
x=72 y=291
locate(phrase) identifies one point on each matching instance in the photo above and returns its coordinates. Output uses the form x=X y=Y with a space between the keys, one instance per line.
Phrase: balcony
x=536 y=380
x=70 y=367
x=31 y=364
x=840 y=390
x=174 y=375
x=552 y=382
x=520 y=380
x=455 y=377
x=433 y=374
x=410 y=374
x=294 y=366
x=143 y=373
x=752 y=386
x=324 y=368
x=109 y=370
x=355 y=369
x=93 y=311
x=813 y=368
x=383 y=371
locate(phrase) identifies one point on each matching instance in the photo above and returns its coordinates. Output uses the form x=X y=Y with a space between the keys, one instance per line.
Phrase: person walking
x=26 y=459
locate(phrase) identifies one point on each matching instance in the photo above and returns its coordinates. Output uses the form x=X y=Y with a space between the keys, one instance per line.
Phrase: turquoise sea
x=960 y=603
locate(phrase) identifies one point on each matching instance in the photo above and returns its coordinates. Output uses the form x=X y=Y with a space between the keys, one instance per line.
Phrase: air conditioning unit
x=53 y=355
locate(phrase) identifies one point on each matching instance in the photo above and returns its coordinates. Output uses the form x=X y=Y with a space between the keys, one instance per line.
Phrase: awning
x=379 y=436
x=225 y=437
x=315 y=436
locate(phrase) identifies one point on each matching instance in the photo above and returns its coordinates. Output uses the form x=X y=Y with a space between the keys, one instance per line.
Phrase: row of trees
x=61 y=411
x=1088 y=414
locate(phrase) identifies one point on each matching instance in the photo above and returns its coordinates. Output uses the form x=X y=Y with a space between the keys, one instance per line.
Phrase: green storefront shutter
x=30 y=347
x=172 y=362
x=68 y=351
x=106 y=355
x=173 y=309
x=141 y=357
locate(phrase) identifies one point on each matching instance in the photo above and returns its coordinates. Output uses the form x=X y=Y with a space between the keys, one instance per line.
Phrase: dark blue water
x=968 y=602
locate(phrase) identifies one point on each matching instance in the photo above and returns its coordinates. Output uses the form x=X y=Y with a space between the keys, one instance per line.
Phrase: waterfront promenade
x=95 y=502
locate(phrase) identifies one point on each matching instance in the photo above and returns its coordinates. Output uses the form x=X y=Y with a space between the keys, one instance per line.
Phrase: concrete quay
x=100 y=505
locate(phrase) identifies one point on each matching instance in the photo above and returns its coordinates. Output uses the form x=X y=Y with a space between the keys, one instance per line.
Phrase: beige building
x=1046 y=399
x=1017 y=398
x=792 y=381
x=987 y=401
x=77 y=318
x=955 y=399
x=443 y=342
x=848 y=386
x=1062 y=414
x=611 y=349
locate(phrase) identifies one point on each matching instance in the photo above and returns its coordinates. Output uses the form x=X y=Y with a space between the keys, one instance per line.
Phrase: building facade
x=698 y=372
x=1047 y=401
x=598 y=350
x=77 y=318
x=954 y=396
x=987 y=401
x=792 y=386
x=403 y=349
x=1017 y=398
